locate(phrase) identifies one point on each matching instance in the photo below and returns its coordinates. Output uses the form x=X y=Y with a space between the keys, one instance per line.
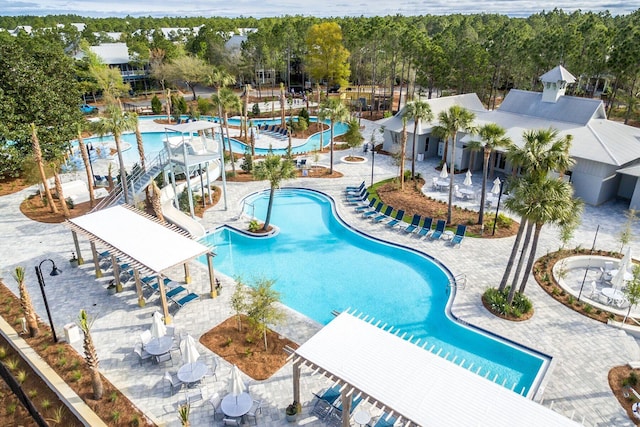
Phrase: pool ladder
x=459 y=281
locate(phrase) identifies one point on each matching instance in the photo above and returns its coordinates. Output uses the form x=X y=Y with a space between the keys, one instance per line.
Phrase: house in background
x=606 y=153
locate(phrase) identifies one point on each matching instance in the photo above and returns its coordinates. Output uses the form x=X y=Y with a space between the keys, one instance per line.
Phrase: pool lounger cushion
x=186 y=299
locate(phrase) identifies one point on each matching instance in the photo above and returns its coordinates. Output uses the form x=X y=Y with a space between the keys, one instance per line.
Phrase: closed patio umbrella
x=496 y=186
x=158 y=329
x=617 y=282
x=467 y=179
x=189 y=350
x=443 y=173
x=237 y=386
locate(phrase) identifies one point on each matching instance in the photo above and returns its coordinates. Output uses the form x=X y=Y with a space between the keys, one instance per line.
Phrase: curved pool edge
x=547 y=361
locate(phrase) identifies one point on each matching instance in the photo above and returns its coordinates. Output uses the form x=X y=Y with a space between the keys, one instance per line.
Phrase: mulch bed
x=616 y=377
x=35 y=209
x=246 y=349
x=525 y=316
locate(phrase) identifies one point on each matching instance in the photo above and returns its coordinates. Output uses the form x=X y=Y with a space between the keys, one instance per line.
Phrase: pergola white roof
x=146 y=244
x=190 y=127
x=422 y=388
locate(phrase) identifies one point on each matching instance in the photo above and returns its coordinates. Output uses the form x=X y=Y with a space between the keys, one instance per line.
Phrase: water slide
x=179 y=218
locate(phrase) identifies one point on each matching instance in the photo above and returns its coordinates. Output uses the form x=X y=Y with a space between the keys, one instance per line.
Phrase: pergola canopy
x=416 y=385
x=140 y=240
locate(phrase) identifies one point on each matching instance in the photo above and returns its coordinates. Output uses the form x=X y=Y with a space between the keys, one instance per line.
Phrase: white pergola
x=140 y=240
x=408 y=382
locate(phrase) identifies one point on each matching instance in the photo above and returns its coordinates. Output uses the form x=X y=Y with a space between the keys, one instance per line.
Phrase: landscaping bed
x=619 y=378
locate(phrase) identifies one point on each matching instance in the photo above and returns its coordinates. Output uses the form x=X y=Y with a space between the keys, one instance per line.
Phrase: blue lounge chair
x=363 y=208
x=382 y=421
x=355 y=188
x=359 y=198
x=415 y=222
x=426 y=227
x=459 y=236
x=384 y=215
x=185 y=299
x=324 y=402
x=175 y=291
x=369 y=214
x=399 y=217
x=437 y=233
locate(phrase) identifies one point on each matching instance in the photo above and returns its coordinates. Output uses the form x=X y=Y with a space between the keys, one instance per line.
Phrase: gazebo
x=140 y=240
x=408 y=382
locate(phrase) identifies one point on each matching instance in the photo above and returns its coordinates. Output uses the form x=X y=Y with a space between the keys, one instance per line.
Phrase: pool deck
x=583 y=350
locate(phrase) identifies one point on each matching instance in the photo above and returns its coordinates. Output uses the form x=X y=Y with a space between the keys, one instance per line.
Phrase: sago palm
x=91 y=355
x=25 y=302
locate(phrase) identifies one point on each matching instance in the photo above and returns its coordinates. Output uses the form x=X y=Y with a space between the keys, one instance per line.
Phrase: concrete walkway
x=583 y=350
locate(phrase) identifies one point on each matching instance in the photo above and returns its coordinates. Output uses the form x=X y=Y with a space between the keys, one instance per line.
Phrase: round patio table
x=192 y=372
x=613 y=295
x=236 y=406
x=158 y=346
x=362 y=417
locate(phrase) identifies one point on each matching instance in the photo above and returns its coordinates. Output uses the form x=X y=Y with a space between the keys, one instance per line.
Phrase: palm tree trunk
x=96 y=384
x=272 y=192
x=87 y=166
x=27 y=305
x=403 y=151
x=155 y=201
x=231 y=158
x=523 y=252
x=63 y=202
x=487 y=154
x=413 y=151
x=37 y=154
x=123 y=173
x=532 y=258
x=452 y=170
x=512 y=257
x=331 y=146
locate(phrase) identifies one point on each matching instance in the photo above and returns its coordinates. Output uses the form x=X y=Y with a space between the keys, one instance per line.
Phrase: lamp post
x=495 y=221
x=373 y=159
x=54 y=272
x=89 y=151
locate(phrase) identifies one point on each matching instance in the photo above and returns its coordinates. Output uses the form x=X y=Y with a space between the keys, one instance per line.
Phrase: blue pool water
x=321 y=265
x=153 y=141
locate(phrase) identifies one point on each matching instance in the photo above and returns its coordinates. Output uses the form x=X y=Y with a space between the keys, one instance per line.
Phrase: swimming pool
x=320 y=264
x=153 y=141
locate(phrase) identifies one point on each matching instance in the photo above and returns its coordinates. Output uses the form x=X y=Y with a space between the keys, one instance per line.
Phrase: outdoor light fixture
x=495 y=221
x=373 y=159
x=54 y=272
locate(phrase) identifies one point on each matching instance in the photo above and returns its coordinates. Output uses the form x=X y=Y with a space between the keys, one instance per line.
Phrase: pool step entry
x=438 y=351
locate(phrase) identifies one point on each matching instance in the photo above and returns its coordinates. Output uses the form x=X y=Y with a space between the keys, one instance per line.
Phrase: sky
x=321 y=8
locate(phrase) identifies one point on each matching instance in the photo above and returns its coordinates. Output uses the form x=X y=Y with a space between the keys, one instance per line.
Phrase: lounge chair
x=175 y=291
x=358 y=200
x=369 y=214
x=399 y=217
x=357 y=195
x=355 y=188
x=324 y=404
x=386 y=214
x=426 y=227
x=363 y=208
x=384 y=420
x=437 y=233
x=459 y=236
x=186 y=299
x=414 y=224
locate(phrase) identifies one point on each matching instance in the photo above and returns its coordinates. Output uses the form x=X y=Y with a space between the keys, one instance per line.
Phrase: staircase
x=136 y=182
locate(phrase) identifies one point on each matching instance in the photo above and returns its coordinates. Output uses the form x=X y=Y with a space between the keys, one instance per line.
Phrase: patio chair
x=457 y=239
x=426 y=227
x=215 y=400
x=369 y=214
x=457 y=194
x=363 y=208
x=383 y=420
x=174 y=382
x=145 y=337
x=355 y=188
x=329 y=395
x=434 y=183
x=437 y=233
x=414 y=224
x=161 y=358
x=142 y=354
x=321 y=409
x=195 y=396
x=606 y=275
x=231 y=422
x=256 y=408
x=399 y=217
x=386 y=214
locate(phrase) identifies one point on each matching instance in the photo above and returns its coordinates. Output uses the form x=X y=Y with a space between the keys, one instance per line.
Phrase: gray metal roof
x=569 y=109
x=112 y=53
x=558 y=74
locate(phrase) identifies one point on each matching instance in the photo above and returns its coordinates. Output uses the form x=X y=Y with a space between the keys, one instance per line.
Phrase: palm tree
x=542 y=152
x=116 y=122
x=227 y=101
x=26 y=304
x=452 y=121
x=87 y=165
x=283 y=102
x=403 y=151
x=247 y=90
x=91 y=355
x=274 y=169
x=418 y=111
x=37 y=155
x=55 y=167
x=335 y=111
x=492 y=136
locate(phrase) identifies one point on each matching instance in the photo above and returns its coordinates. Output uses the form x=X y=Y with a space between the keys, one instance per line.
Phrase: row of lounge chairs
x=328 y=408
x=275 y=131
x=358 y=196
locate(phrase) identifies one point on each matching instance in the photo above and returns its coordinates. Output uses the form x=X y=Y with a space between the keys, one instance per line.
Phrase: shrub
x=570 y=299
x=631 y=380
x=497 y=301
x=11 y=162
x=255 y=110
x=156 y=105
x=254 y=225
x=588 y=308
x=70 y=203
x=247 y=164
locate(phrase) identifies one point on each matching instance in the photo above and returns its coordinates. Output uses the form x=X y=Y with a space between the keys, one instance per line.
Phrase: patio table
x=613 y=295
x=467 y=192
x=442 y=184
x=192 y=372
x=158 y=346
x=236 y=406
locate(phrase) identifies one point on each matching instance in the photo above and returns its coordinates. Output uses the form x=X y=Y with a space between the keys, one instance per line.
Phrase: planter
x=73 y=263
x=291 y=418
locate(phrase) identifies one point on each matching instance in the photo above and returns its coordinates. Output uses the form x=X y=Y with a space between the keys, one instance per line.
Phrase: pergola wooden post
x=96 y=261
x=296 y=381
x=212 y=279
x=136 y=276
x=116 y=273
x=346 y=406
x=163 y=300
x=77 y=245
x=187 y=275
